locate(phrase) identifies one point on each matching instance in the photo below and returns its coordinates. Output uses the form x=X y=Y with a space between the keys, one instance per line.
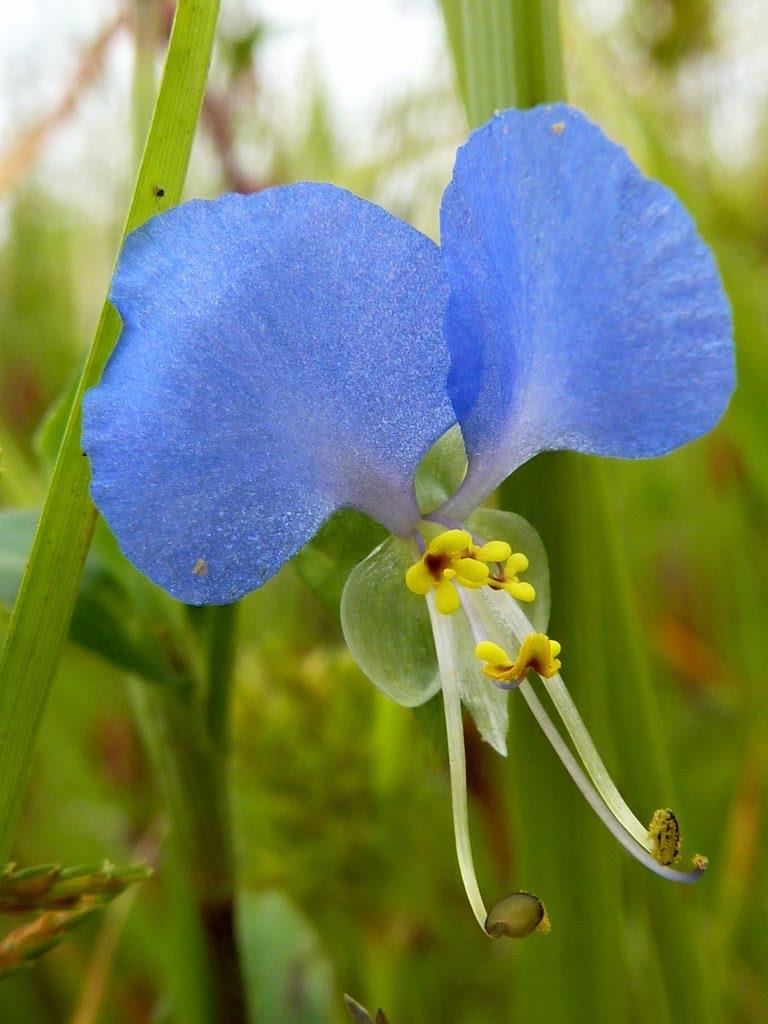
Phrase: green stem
x=188 y=738
x=44 y=605
x=507 y=54
x=222 y=624
x=510 y=55
x=206 y=975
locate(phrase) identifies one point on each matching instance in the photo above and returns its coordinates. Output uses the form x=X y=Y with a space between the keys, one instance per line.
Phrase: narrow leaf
x=48 y=592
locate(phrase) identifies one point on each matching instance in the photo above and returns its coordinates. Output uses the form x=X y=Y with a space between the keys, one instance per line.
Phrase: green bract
x=440 y=471
x=387 y=628
x=327 y=560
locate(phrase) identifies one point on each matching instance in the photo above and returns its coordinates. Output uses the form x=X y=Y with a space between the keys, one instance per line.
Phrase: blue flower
x=296 y=352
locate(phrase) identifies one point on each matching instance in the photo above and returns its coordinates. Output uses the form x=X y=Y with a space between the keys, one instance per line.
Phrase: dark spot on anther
x=159 y=192
x=664 y=832
x=435 y=564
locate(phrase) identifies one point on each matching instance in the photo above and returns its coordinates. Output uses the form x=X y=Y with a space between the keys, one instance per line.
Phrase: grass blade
x=44 y=605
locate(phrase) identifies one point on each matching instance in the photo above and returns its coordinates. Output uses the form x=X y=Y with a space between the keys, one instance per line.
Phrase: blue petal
x=586 y=313
x=281 y=357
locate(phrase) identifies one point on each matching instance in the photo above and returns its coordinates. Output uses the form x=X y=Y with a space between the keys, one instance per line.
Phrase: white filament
x=444 y=635
x=515 y=618
x=603 y=798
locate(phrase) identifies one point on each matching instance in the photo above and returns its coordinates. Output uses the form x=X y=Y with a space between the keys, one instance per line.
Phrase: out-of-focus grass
x=341 y=799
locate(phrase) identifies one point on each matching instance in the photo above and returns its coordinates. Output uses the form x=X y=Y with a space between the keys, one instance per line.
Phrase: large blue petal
x=586 y=313
x=281 y=357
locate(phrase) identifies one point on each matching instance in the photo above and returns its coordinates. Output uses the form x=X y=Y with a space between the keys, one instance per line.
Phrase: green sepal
x=387 y=628
x=486 y=703
x=441 y=471
x=325 y=562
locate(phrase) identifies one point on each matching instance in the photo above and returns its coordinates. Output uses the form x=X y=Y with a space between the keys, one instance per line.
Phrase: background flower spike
x=20 y=948
x=50 y=886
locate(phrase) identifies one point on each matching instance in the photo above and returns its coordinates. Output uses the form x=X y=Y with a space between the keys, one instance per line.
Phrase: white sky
x=369 y=52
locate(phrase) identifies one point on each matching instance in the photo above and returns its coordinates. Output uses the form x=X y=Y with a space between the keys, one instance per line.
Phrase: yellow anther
x=664 y=833
x=448 y=557
x=447 y=598
x=521 y=591
x=516 y=563
x=450 y=542
x=537 y=652
x=488 y=651
x=471 y=572
x=493 y=551
x=418 y=579
x=507 y=578
x=452 y=555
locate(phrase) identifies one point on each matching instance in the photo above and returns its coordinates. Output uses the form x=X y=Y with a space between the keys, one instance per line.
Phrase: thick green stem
x=207 y=979
x=187 y=733
x=222 y=624
x=188 y=739
x=508 y=54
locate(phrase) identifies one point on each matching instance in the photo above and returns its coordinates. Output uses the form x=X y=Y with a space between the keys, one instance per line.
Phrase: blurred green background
x=343 y=839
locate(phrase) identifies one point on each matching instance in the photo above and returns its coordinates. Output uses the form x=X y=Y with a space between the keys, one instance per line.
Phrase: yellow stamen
x=537 y=652
x=488 y=651
x=452 y=555
x=447 y=598
x=664 y=833
x=493 y=551
x=417 y=579
x=450 y=542
x=516 y=563
x=471 y=572
x=521 y=591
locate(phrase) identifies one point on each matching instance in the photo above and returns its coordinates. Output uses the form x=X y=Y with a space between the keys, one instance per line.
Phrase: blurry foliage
x=674 y=30
x=344 y=834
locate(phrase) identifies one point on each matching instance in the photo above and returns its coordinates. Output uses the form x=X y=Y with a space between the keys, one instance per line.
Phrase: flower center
x=452 y=558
